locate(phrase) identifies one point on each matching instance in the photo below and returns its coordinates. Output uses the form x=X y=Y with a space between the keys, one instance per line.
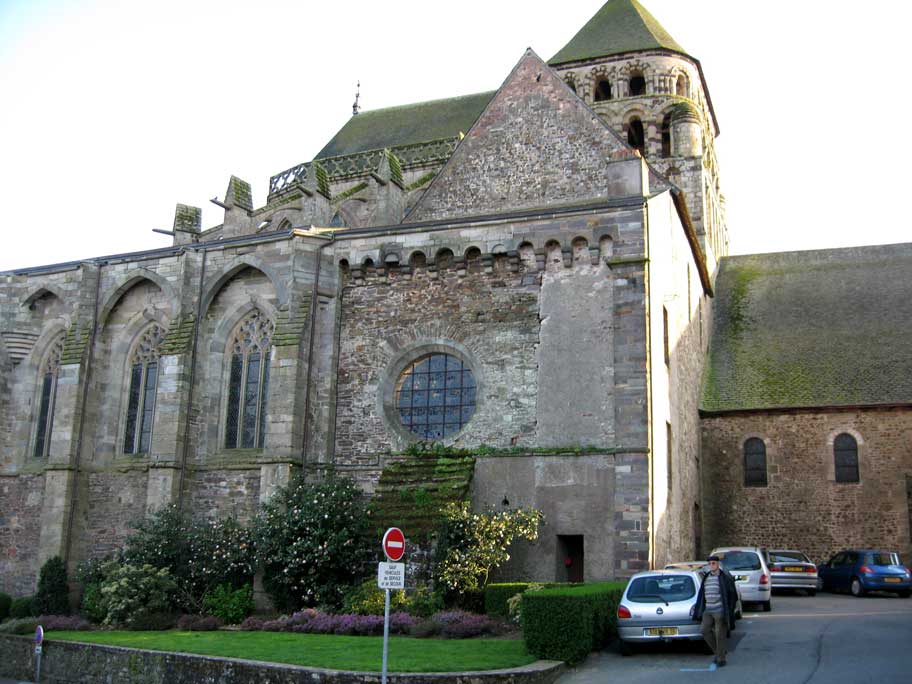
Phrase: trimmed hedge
x=497 y=594
x=567 y=623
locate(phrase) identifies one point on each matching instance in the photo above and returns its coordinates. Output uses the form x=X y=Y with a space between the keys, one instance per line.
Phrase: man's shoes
x=720 y=663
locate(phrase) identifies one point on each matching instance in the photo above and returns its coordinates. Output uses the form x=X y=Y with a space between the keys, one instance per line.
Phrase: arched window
x=845 y=453
x=637 y=85
x=681 y=86
x=48 y=395
x=755 y=463
x=636 y=137
x=248 y=382
x=602 y=90
x=666 y=135
x=141 y=398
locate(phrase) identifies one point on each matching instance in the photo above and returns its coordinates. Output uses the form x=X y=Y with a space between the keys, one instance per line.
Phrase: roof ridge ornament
x=355 y=106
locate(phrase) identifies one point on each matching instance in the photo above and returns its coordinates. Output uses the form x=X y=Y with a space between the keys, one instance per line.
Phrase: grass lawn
x=324 y=650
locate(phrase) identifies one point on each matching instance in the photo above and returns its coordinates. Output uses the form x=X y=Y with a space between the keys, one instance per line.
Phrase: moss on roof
x=812 y=329
x=619 y=26
x=406 y=125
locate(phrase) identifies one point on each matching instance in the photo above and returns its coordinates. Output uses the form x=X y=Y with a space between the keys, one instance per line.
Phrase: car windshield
x=740 y=560
x=659 y=589
x=788 y=557
x=883 y=559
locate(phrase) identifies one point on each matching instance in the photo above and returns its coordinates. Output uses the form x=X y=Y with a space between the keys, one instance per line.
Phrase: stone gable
x=536 y=144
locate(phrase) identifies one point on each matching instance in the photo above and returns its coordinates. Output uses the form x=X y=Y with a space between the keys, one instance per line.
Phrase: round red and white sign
x=394 y=544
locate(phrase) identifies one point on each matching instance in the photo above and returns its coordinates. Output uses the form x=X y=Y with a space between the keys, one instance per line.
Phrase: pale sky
x=111 y=112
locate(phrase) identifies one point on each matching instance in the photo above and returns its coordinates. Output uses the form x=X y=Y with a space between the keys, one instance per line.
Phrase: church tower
x=630 y=70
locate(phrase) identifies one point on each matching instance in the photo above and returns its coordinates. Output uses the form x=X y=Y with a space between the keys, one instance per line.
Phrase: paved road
x=826 y=639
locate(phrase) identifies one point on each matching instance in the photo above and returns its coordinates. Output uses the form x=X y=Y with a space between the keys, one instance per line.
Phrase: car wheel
x=812 y=592
x=903 y=594
x=767 y=606
x=856 y=588
x=625 y=648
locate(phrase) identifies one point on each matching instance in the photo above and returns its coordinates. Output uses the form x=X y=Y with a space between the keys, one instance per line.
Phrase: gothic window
x=248 y=382
x=636 y=136
x=46 y=398
x=602 y=90
x=666 y=135
x=435 y=396
x=755 y=463
x=845 y=453
x=637 y=85
x=141 y=397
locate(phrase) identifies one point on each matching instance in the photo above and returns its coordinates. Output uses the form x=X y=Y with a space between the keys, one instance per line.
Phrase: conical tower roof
x=619 y=26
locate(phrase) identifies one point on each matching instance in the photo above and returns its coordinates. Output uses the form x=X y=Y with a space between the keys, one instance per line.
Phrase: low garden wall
x=74 y=663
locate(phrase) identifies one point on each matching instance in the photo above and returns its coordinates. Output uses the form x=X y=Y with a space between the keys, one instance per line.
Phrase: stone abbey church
x=543 y=270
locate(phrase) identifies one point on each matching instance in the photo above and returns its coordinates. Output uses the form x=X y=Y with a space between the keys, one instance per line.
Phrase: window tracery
x=248 y=382
x=47 y=398
x=141 y=395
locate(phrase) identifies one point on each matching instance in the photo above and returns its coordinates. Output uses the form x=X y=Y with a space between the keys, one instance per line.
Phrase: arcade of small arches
x=551 y=254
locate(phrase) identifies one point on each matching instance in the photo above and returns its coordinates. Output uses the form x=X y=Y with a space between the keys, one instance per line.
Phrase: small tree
x=312 y=541
x=473 y=544
x=53 y=595
x=133 y=593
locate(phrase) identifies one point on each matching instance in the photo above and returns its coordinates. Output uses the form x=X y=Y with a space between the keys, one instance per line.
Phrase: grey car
x=658 y=606
x=792 y=570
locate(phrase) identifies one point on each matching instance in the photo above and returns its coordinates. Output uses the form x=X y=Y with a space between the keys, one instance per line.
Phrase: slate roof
x=823 y=328
x=619 y=26
x=406 y=125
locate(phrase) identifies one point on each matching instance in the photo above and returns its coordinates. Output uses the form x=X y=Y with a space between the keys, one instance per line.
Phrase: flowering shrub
x=132 y=593
x=199 y=623
x=253 y=624
x=201 y=555
x=472 y=544
x=312 y=541
x=311 y=622
x=70 y=623
x=457 y=624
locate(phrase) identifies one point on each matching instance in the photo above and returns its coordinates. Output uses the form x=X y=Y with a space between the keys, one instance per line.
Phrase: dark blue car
x=861 y=571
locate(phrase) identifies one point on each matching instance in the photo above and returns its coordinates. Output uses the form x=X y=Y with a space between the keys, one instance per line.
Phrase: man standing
x=715 y=608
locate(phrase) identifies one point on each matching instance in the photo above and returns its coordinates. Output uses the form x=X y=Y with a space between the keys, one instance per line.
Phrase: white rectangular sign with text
x=391 y=575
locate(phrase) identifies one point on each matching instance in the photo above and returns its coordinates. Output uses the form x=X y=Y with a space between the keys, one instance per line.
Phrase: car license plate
x=892 y=579
x=793 y=568
x=661 y=631
x=740 y=578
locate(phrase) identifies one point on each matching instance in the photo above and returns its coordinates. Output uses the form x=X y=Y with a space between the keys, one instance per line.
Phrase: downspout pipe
x=193 y=347
x=81 y=431
x=310 y=346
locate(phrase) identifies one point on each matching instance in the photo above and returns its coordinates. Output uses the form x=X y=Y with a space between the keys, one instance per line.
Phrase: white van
x=747 y=565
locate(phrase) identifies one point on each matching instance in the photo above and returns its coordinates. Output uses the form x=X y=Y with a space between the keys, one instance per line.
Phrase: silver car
x=747 y=565
x=792 y=570
x=658 y=605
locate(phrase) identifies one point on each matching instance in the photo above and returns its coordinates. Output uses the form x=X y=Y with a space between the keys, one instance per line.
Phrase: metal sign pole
x=38 y=667
x=386 y=633
x=39 y=639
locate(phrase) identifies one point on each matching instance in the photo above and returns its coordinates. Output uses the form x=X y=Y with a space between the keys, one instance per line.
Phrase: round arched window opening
x=435 y=396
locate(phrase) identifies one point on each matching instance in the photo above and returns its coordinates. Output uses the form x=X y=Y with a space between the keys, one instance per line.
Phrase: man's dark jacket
x=729 y=597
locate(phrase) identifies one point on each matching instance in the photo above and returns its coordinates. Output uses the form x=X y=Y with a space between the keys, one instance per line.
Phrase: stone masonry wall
x=20 y=521
x=803 y=507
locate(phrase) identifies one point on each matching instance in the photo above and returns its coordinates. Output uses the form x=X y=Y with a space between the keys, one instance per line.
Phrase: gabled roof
x=815 y=329
x=406 y=125
x=619 y=26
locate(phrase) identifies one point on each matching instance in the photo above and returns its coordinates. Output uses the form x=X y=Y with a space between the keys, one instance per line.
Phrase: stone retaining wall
x=73 y=663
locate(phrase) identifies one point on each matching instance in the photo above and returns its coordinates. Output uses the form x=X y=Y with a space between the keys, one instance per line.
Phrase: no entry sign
x=394 y=544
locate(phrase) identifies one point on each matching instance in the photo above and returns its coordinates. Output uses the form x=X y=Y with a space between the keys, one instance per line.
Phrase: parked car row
x=658 y=605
